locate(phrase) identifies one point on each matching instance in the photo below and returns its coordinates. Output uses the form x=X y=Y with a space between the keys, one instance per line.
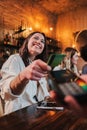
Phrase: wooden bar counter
x=30 y=118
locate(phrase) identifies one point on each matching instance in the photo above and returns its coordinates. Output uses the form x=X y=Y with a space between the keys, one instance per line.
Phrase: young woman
x=23 y=74
x=71 y=59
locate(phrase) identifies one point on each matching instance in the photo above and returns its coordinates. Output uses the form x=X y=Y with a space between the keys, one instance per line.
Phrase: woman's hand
x=35 y=70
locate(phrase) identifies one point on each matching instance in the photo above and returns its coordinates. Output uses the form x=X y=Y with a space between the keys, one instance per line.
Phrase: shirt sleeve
x=9 y=71
x=84 y=69
x=44 y=86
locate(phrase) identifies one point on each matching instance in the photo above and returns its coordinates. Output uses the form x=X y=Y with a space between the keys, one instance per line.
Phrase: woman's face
x=75 y=58
x=36 y=44
x=68 y=54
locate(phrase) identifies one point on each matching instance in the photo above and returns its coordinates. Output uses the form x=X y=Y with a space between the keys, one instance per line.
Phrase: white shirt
x=11 y=68
x=57 y=68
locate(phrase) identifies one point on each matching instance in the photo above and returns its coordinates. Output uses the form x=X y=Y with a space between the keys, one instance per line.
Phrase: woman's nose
x=39 y=42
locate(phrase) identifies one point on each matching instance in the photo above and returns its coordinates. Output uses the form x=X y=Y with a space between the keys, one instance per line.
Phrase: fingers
x=39 y=69
x=69 y=100
x=42 y=65
x=36 y=70
x=53 y=94
x=73 y=104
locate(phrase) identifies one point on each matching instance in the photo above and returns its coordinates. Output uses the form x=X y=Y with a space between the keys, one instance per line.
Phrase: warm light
x=66 y=34
x=73 y=45
x=30 y=28
x=27 y=31
x=52 y=113
x=37 y=25
x=51 y=28
x=50 y=40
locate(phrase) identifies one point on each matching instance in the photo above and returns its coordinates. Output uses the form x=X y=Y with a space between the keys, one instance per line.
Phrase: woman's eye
x=43 y=41
x=36 y=38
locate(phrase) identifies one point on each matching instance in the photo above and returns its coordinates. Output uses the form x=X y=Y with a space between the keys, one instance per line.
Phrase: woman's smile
x=37 y=45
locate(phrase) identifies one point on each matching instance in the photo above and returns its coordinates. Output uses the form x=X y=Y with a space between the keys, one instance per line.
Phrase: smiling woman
x=22 y=72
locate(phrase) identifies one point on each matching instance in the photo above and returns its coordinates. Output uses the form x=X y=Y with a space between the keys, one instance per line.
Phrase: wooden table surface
x=30 y=118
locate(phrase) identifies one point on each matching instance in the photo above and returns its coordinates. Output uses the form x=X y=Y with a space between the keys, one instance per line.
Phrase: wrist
x=22 y=79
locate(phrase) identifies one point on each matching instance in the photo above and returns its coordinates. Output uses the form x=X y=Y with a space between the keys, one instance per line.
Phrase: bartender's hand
x=80 y=110
x=35 y=71
x=72 y=104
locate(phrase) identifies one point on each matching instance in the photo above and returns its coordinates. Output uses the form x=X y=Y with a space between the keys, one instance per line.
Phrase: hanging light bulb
x=51 y=28
x=30 y=28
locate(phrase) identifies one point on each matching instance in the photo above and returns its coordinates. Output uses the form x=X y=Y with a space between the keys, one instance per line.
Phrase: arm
x=34 y=71
x=17 y=85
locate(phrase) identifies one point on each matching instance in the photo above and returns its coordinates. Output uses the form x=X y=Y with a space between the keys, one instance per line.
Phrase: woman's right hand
x=35 y=71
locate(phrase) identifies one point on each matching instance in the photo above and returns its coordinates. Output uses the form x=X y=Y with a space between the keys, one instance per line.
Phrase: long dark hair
x=24 y=52
x=73 y=51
